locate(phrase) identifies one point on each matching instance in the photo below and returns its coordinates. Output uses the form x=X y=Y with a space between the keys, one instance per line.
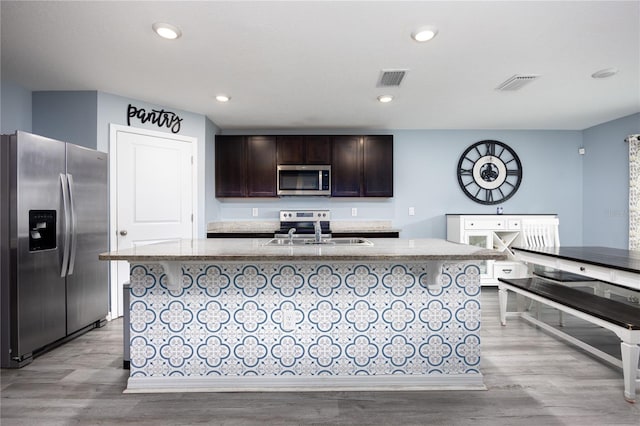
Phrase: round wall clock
x=489 y=172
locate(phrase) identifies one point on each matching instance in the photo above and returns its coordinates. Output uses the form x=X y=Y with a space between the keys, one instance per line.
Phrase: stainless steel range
x=302 y=223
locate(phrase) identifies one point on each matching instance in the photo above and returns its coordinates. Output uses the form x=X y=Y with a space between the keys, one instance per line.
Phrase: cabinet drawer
x=509 y=270
x=484 y=224
x=514 y=224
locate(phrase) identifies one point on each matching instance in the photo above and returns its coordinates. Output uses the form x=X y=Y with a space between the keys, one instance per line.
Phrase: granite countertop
x=337 y=226
x=235 y=249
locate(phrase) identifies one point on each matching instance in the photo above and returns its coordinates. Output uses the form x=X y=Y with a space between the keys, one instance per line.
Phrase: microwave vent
x=517 y=81
x=391 y=78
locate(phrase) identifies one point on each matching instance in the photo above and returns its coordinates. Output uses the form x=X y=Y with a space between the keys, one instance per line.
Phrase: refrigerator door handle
x=74 y=223
x=66 y=233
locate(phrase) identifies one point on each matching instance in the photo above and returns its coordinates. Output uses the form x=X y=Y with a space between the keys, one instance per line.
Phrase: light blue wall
x=606 y=182
x=425 y=178
x=15 y=108
x=588 y=192
x=84 y=117
x=67 y=116
x=211 y=203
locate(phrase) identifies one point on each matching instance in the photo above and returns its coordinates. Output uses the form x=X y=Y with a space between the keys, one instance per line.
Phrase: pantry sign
x=159 y=117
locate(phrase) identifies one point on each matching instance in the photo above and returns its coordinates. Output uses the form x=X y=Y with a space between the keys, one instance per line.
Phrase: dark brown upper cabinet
x=377 y=166
x=231 y=166
x=245 y=166
x=346 y=169
x=304 y=149
x=362 y=166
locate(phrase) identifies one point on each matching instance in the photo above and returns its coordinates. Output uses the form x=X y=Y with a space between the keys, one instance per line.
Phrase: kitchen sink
x=355 y=241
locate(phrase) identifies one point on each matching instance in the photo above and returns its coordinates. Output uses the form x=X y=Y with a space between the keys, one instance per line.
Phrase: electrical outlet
x=412 y=211
x=354 y=211
x=288 y=320
x=254 y=212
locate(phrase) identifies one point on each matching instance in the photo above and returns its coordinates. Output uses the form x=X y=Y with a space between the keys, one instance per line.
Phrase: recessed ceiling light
x=607 y=72
x=424 y=33
x=223 y=98
x=168 y=31
x=385 y=98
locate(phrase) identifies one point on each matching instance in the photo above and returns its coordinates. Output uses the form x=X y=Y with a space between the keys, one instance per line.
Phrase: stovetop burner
x=303 y=222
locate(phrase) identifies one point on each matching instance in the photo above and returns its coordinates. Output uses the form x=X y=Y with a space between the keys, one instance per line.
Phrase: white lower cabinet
x=502 y=232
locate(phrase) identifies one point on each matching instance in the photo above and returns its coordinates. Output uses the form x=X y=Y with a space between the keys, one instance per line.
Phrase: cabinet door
x=483 y=240
x=317 y=150
x=377 y=166
x=261 y=166
x=290 y=150
x=298 y=149
x=230 y=166
x=345 y=166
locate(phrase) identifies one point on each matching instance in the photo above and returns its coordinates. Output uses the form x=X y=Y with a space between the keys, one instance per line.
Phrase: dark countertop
x=621 y=259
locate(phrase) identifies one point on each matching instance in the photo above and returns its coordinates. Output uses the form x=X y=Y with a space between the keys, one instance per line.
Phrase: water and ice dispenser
x=42 y=230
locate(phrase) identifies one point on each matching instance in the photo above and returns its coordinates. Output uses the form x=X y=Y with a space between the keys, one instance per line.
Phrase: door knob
x=123 y=233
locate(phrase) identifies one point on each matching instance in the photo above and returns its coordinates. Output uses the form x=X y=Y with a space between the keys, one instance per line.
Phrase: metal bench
x=621 y=318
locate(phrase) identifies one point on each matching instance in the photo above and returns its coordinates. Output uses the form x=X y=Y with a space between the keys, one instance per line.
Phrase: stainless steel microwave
x=304 y=180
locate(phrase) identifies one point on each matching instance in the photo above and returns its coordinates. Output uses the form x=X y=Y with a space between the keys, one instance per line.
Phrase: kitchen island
x=238 y=315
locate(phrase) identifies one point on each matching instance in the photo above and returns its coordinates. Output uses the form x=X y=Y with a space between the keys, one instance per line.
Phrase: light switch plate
x=254 y=212
x=412 y=211
x=354 y=211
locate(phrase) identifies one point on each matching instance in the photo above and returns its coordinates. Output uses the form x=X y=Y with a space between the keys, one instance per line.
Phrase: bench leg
x=502 y=299
x=630 y=357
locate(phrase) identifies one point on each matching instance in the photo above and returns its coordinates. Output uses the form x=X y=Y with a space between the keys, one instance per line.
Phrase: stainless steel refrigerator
x=53 y=223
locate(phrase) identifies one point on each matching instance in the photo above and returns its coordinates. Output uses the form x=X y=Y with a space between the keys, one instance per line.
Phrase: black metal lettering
x=159 y=117
x=175 y=124
x=131 y=112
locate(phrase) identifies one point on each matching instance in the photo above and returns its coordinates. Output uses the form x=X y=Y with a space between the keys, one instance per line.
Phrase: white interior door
x=153 y=189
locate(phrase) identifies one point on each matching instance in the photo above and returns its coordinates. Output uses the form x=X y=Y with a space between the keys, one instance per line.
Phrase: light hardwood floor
x=532 y=379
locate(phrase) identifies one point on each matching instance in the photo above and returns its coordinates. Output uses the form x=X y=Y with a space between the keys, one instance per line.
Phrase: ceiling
x=315 y=64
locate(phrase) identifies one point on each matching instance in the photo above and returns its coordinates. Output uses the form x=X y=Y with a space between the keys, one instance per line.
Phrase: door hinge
x=192 y=160
x=191 y=217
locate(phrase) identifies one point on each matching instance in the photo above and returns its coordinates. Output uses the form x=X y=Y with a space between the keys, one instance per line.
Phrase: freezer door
x=36 y=315
x=87 y=278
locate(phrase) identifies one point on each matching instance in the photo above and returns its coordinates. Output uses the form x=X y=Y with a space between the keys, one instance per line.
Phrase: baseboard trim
x=144 y=384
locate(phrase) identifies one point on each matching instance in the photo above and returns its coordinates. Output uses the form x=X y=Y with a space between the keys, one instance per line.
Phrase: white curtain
x=634 y=192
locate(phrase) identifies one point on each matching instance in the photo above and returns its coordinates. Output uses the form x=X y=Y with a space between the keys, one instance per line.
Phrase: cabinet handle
x=507 y=271
x=582 y=269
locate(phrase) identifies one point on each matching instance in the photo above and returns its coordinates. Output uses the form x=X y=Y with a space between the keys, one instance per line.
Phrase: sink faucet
x=290 y=233
x=318 y=231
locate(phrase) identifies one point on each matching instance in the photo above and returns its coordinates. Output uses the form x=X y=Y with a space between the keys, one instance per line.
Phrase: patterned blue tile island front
x=304 y=325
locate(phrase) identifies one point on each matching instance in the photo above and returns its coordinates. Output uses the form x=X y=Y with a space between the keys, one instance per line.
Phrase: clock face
x=489 y=172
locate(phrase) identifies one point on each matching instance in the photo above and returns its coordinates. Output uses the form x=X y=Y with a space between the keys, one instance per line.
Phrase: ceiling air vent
x=391 y=77
x=517 y=81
